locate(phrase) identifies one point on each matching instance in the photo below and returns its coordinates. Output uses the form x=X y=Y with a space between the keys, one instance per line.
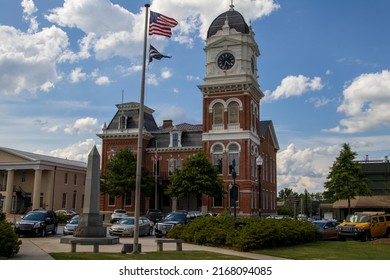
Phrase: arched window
x=218 y=114
x=217 y=152
x=234 y=111
x=233 y=150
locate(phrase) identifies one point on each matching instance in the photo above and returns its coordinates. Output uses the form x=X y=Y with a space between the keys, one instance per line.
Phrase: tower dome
x=234 y=19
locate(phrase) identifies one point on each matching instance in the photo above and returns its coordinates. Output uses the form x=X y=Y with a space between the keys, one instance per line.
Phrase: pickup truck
x=364 y=226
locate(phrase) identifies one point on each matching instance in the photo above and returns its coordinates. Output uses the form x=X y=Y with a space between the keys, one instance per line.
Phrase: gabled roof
x=268 y=126
x=42 y=159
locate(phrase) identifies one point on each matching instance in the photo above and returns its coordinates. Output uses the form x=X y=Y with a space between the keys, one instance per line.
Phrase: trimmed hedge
x=245 y=234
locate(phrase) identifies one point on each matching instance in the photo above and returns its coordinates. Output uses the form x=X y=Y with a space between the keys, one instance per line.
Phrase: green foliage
x=2 y=216
x=197 y=176
x=245 y=234
x=120 y=176
x=345 y=180
x=62 y=218
x=9 y=243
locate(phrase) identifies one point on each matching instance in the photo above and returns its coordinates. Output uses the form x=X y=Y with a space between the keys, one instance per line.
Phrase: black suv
x=38 y=223
x=155 y=215
x=173 y=219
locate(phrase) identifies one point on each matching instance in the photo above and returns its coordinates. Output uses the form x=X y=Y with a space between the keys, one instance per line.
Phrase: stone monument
x=90 y=229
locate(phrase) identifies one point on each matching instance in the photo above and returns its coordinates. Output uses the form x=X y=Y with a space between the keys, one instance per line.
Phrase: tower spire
x=231 y=5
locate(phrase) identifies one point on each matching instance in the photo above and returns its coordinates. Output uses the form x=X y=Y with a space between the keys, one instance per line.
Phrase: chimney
x=167 y=123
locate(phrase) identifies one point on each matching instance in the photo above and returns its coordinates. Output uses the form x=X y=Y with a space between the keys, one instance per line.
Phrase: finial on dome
x=231 y=5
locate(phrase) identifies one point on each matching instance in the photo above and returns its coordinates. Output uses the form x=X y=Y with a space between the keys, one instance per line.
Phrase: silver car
x=125 y=227
x=71 y=225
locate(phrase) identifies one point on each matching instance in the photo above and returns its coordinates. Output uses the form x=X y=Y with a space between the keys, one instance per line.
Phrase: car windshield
x=357 y=218
x=127 y=221
x=176 y=217
x=120 y=212
x=74 y=221
x=35 y=216
x=319 y=225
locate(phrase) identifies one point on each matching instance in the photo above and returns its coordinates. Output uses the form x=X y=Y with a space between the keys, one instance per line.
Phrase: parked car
x=327 y=229
x=69 y=213
x=71 y=225
x=125 y=227
x=173 y=219
x=155 y=215
x=38 y=223
x=117 y=215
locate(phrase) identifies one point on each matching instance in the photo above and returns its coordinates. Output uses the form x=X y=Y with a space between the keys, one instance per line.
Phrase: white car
x=117 y=215
x=125 y=227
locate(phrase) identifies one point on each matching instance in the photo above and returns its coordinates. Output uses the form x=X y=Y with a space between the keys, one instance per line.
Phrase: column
x=37 y=189
x=9 y=191
x=50 y=191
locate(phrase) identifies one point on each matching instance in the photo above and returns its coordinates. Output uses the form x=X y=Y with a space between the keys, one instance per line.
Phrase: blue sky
x=324 y=69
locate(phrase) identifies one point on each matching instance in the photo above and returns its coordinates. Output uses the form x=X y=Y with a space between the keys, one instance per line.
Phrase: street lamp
x=232 y=169
x=259 y=163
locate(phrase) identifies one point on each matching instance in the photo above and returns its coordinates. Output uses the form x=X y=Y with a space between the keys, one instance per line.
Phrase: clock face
x=226 y=61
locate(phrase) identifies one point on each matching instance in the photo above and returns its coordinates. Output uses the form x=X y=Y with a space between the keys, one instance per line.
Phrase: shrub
x=2 y=216
x=9 y=243
x=245 y=233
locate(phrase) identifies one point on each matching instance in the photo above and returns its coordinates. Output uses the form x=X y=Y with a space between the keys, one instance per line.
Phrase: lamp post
x=259 y=163
x=232 y=168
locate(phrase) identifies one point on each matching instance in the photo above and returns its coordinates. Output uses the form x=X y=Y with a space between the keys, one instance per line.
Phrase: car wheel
x=43 y=232
x=150 y=231
x=366 y=237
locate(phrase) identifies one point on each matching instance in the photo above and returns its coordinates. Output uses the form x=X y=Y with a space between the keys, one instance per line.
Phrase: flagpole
x=140 y=140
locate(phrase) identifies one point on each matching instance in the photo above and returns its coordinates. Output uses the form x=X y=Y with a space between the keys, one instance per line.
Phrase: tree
x=120 y=177
x=285 y=193
x=345 y=180
x=197 y=176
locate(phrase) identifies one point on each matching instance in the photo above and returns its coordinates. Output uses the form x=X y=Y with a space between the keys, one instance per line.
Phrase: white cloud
x=151 y=79
x=366 y=104
x=78 y=151
x=28 y=10
x=102 y=81
x=166 y=73
x=30 y=59
x=294 y=86
x=77 y=75
x=82 y=125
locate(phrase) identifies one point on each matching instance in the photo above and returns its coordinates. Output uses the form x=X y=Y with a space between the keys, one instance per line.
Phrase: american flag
x=161 y=25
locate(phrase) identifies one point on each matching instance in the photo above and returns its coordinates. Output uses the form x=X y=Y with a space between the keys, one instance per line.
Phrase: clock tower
x=231 y=110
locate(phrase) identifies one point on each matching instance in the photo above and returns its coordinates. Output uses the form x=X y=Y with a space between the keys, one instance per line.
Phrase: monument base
x=90 y=231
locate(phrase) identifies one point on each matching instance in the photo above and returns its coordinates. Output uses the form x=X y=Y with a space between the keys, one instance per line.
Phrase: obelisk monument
x=90 y=221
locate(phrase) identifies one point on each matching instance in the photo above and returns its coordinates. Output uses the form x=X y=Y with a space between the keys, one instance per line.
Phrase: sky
x=324 y=69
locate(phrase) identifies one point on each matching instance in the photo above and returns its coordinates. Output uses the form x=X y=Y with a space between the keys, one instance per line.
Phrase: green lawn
x=323 y=250
x=333 y=250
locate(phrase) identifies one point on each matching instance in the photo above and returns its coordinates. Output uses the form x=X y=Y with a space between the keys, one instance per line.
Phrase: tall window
x=63 y=204
x=218 y=157
x=175 y=139
x=233 y=157
x=218 y=114
x=234 y=110
x=66 y=179
x=122 y=122
x=74 y=200
x=75 y=179
x=178 y=163
x=171 y=166
x=128 y=199
x=111 y=200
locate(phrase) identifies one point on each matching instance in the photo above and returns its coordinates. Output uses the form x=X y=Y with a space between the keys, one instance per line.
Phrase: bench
x=73 y=244
x=160 y=242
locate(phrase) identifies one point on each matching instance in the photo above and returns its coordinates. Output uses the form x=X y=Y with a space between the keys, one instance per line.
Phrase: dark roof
x=235 y=20
x=182 y=126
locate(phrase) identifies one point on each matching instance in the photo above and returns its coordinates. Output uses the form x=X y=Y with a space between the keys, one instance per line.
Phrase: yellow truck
x=364 y=226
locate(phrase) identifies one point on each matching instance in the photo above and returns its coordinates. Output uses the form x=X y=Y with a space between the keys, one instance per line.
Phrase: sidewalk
x=38 y=248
